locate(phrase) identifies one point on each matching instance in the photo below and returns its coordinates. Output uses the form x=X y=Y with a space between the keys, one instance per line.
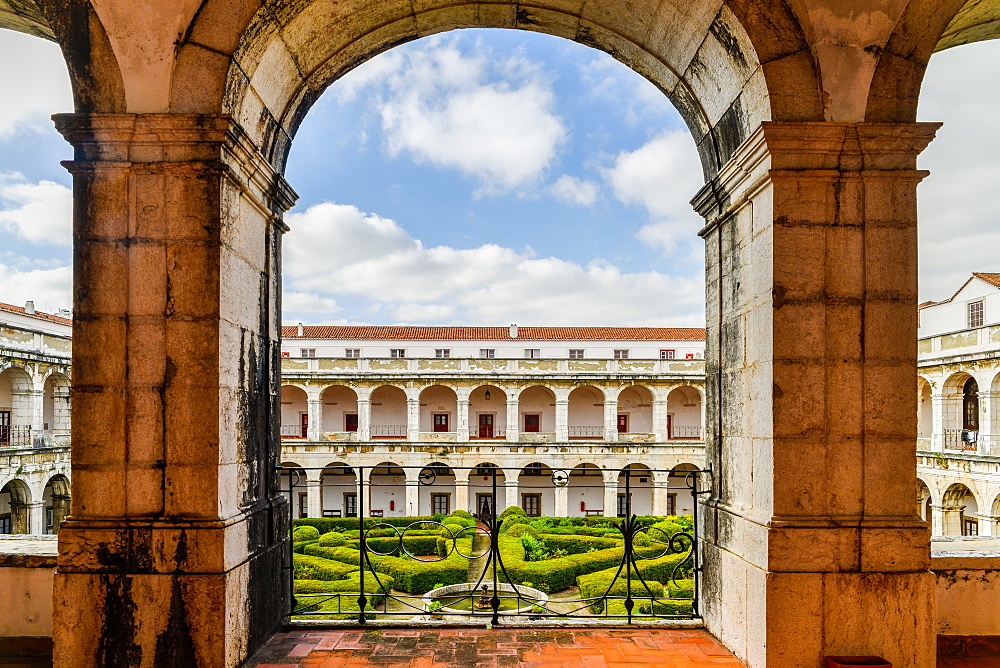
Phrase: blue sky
x=487 y=177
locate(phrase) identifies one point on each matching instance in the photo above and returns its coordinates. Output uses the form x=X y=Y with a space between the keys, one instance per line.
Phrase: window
x=488 y=353
x=308 y=352
x=440 y=504
x=575 y=354
x=689 y=356
x=622 y=423
x=667 y=354
x=352 y=352
x=532 y=504
x=350 y=504
x=532 y=422
x=440 y=422
x=532 y=353
x=970 y=526
x=621 y=354
x=350 y=421
x=442 y=353
x=976 y=314
x=624 y=505
x=397 y=352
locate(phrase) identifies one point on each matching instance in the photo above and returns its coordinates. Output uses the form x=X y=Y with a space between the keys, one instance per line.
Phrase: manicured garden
x=577 y=561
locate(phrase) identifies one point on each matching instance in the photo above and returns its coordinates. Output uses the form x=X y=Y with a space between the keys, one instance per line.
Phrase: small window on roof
x=976 y=314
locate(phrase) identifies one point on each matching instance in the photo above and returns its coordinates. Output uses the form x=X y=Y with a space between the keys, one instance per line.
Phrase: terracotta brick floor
x=481 y=648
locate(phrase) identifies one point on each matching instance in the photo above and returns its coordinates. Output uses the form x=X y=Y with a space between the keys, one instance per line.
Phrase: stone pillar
x=364 y=417
x=611 y=497
x=936 y=520
x=659 y=413
x=513 y=417
x=987 y=524
x=561 y=501
x=661 y=491
x=811 y=283
x=413 y=419
x=177 y=536
x=562 y=418
x=20 y=517
x=315 y=408
x=462 y=419
x=950 y=520
x=314 y=494
x=512 y=491
x=36 y=517
x=462 y=490
x=938 y=408
x=412 y=498
x=611 y=420
x=60 y=510
x=36 y=403
x=61 y=407
x=987 y=401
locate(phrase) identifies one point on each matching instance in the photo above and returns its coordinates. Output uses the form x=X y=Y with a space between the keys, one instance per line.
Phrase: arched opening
x=340 y=490
x=960 y=410
x=56 y=498
x=294 y=412
x=487 y=490
x=680 y=488
x=586 y=414
x=635 y=414
x=438 y=413
x=56 y=405
x=960 y=512
x=436 y=490
x=635 y=491
x=684 y=413
x=586 y=491
x=536 y=406
x=15 y=501
x=15 y=407
x=387 y=492
x=488 y=413
x=536 y=493
x=340 y=413
x=389 y=412
x=293 y=484
x=925 y=414
x=970 y=405
x=923 y=500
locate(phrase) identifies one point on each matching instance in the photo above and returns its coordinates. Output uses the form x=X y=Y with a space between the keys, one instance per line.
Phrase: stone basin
x=508 y=607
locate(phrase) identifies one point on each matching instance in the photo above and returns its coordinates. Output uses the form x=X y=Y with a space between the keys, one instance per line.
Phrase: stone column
x=513 y=417
x=611 y=497
x=462 y=490
x=412 y=498
x=512 y=491
x=938 y=408
x=811 y=283
x=36 y=517
x=20 y=517
x=561 y=501
x=413 y=419
x=61 y=404
x=659 y=413
x=314 y=494
x=60 y=510
x=611 y=419
x=562 y=418
x=315 y=408
x=661 y=490
x=936 y=520
x=364 y=417
x=36 y=402
x=950 y=520
x=462 y=419
x=178 y=534
x=987 y=401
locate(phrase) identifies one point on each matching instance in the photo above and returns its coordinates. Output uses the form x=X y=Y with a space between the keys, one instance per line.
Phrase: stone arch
x=960 y=510
x=436 y=494
x=294 y=411
x=924 y=500
x=389 y=412
x=56 y=497
x=16 y=406
x=955 y=403
x=537 y=414
x=679 y=486
x=339 y=484
x=481 y=489
x=585 y=490
x=488 y=412
x=438 y=409
x=340 y=409
x=635 y=405
x=684 y=413
x=386 y=490
x=925 y=408
x=536 y=493
x=637 y=479
x=56 y=403
x=703 y=58
x=585 y=411
x=15 y=500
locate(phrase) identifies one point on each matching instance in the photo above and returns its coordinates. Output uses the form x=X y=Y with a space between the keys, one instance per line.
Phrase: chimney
x=302 y=330
x=29 y=308
x=513 y=331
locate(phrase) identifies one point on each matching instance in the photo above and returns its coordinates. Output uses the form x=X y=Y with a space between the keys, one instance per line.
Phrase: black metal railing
x=961 y=439
x=384 y=566
x=16 y=436
x=687 y=433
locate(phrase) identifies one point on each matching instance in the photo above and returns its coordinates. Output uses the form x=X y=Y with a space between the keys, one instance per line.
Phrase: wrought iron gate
x=619 y=569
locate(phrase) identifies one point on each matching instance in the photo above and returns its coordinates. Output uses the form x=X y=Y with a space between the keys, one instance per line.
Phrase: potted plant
x=433 y=607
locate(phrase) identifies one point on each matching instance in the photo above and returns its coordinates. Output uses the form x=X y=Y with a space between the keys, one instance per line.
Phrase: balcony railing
x=961 y=439
x=291 y=431
x=685 y=433
x=388 y=431
x=336 y=366
x=497 y=434
x=596 y=432
x=17 y=436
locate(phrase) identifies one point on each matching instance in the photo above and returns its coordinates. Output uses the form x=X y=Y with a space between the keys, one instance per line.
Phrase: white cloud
x=661 y=176
x=50 y=289
x=959 y=222
x=492 y=119
x=37 y=212
x=337 y=252
x=28 y=101
x=573 y=190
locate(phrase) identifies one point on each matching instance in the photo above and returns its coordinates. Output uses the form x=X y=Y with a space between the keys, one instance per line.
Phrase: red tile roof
x=408 y=333
x=992 y=279
x=19 y=310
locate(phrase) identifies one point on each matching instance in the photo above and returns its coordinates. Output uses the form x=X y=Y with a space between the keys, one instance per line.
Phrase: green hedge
x=299 y=544
x=305 y=533
x=350 y=588
x=655 y=572
x=553 y=575
x=416 y=545
x=680 y=607
x=325 y=524
x=312 y=567
x=579 y=544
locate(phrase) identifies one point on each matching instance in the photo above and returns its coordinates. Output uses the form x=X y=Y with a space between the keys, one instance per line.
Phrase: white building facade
x=35 y=349
x=470 y=404
x=958 y=410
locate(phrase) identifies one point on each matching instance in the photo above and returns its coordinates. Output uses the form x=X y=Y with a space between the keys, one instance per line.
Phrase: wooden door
x=440 y=422
x=532 y=504
x=484 y=505
x=532 y=423
x=4 y=427
x=350 y=422
x=304 y=417
x=486 y=425
x=622 y=424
